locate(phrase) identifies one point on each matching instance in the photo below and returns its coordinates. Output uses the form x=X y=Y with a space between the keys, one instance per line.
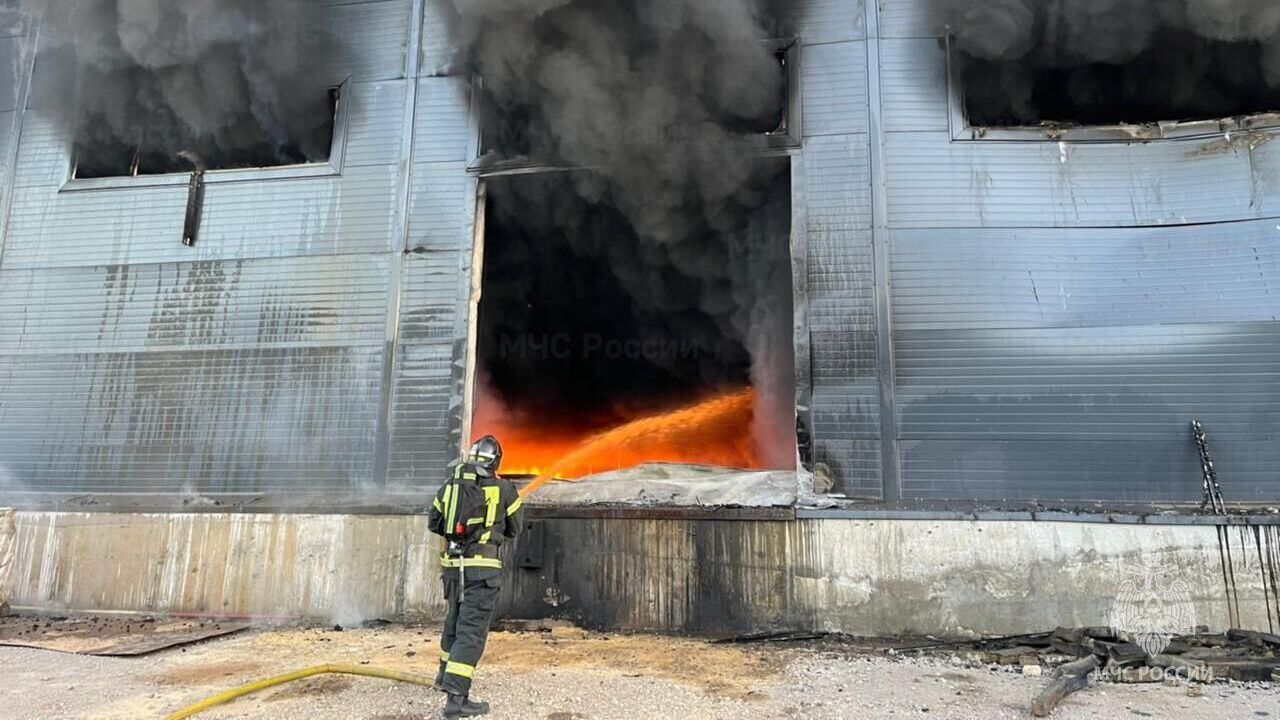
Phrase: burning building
x=813 y=299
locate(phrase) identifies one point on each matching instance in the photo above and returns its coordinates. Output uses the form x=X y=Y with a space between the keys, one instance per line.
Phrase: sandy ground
x=568 y=674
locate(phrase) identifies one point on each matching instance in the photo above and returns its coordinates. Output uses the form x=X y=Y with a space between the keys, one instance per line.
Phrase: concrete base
x=861 y=577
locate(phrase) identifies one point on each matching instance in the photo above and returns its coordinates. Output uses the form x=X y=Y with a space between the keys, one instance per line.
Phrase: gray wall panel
x=429 y=289
x=834 y=88
x=1034 y=392
x=242 y=304
x=195 y=420
x=300 y=216
x=913 y=85
x=934 y=182
x=908 y=19
x=251 y=362
x=842 y=335
x=823 y=21
x=375 y=124
x=958 y=279
x=375 y=37
x=437 y=206
x=420 y=418
x=11 y=70
x=441 y=127
x=419 y=442
x=838 y=183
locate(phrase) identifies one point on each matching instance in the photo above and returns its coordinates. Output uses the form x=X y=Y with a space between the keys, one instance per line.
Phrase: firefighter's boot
x=459 y=706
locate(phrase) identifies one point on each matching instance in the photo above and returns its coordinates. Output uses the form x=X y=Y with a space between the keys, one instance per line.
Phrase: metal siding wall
x=436 y=279
x=1064 y=360
x=251 y=362
x=823 y=21
x=837 y=195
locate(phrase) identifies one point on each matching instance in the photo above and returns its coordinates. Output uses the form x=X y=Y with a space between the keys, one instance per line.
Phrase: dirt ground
x=568 y=674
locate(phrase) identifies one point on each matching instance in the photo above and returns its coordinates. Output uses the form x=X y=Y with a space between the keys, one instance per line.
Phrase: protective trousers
x=466 y=627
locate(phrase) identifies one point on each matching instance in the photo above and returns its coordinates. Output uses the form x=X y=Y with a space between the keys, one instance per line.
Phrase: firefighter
x=476 y=511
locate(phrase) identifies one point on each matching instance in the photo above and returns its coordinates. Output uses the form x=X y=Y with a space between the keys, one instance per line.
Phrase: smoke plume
x=216 y=83
x=661 y=94
x=1099 y=61
x=666 y=101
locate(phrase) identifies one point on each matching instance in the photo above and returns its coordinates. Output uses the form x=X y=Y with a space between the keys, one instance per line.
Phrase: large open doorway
x=599 y=349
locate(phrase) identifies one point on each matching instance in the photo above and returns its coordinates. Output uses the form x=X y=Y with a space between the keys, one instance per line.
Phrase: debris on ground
x=1073 y=657
x=551 y=669
x=109 y=635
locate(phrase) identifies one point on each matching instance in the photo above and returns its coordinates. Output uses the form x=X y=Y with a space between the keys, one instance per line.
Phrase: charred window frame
x=328 y=168
x=962 y=129
x=487 y=161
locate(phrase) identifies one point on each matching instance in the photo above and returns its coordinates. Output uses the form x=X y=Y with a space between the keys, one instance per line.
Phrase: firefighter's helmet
x=486 y=455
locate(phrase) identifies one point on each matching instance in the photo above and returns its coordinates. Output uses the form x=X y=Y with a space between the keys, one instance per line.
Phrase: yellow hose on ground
x=254 y=687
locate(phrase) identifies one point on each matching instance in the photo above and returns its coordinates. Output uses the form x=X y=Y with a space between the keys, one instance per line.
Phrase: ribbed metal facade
x=983 y=320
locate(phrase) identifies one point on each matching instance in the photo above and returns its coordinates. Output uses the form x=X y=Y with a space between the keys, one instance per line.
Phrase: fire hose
x=254 y=687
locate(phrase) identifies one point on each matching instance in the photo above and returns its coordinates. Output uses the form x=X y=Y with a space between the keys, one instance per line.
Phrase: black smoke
x=210 y=83
x=664 y=96
x=1109 y=61
x=580 y=319
x=678 y=234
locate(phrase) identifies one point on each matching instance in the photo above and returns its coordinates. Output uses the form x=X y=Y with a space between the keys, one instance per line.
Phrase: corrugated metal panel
x=834 y=88
x=131 y=363
x=1059 y=470
x=1040 y=393
x=913 y=85
x=300 y=216
x=437 y=206
x=421 y=395
x=843 y=350
x=209 y=420
x=222 y=376
x=823 y=21
x=287 y=303
x=934 y=182
x=908 y=19
x=436 y=49
x=440 y=124
x=838 y=182
x=1265 y=161
x=11 y=69
x=429 y=290
x=375 y=124
x=420 y=419
x=954 y=279
x=373 y=36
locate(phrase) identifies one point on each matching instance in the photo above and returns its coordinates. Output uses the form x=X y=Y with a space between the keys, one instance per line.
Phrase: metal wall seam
x=891 y=474
x=399 y=245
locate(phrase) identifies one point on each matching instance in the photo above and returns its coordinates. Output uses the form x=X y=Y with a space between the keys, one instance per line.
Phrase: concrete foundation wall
x=854 y=576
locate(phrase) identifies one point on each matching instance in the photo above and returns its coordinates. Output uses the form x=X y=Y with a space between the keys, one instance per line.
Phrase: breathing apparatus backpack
x=464 y=509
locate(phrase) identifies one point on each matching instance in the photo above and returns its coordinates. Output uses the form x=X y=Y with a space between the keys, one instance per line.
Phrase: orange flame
x=713 y=432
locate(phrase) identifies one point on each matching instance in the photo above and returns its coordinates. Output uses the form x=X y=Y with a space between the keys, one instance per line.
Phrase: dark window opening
x=681 y=351
x=1180 y=76
x=159 y=152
